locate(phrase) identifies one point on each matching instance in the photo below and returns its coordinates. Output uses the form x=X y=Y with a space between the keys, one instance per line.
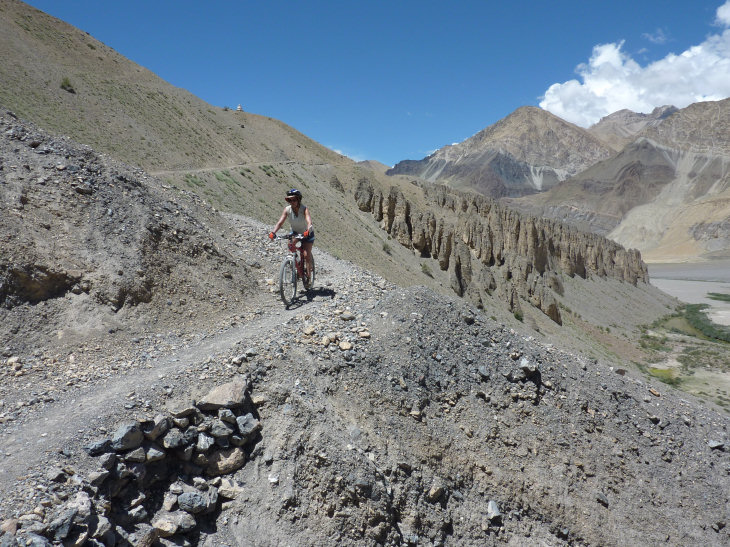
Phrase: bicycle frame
x=293 y=269
x=295 y=246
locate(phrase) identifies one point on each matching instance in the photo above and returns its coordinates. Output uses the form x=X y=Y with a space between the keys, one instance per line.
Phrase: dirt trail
x=31 y=443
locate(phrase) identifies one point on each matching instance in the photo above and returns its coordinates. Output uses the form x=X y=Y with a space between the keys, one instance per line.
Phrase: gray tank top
x=298 y=222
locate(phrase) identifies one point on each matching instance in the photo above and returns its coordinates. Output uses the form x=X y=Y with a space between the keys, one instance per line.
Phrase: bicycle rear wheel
x=287 y=281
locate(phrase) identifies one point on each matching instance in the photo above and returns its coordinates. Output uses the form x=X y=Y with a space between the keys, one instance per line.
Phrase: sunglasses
x=291 y=199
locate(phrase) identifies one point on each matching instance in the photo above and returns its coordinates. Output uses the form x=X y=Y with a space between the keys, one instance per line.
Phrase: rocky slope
x=529 y=151
x=371 y=423
x=87 y=240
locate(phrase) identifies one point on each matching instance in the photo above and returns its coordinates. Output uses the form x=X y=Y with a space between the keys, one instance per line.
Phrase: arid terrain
x=460 y=373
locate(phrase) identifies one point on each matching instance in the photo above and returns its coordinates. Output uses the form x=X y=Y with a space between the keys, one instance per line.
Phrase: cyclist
x=301 y=223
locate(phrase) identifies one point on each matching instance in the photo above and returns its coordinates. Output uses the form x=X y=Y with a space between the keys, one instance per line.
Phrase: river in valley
x=691 y=283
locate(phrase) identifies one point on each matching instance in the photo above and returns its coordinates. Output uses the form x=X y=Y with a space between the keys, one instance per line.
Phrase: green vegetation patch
x=66 y=85
x=704 y=356
x=654 y=342
x=272 y=171
x=697 y=318
x=193 y=181
x=666 y=375
x=719 y=296
x=226 y=178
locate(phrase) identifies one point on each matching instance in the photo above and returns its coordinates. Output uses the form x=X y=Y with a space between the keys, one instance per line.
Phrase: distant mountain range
x=658 y=182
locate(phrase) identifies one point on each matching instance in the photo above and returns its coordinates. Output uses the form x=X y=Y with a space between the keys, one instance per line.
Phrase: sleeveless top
x=298 y=222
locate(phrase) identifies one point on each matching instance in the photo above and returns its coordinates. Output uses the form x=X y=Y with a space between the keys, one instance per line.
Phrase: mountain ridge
x=504 y=159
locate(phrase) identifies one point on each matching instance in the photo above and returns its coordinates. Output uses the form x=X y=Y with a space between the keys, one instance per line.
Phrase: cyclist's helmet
x=293 y=193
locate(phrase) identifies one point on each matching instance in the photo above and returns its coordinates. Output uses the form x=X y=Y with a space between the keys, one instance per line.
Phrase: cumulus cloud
x=612 y=80
x=723 y=15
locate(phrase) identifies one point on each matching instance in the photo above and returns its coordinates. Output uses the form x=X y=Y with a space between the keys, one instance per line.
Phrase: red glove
x=306 y=233
x=271 y=235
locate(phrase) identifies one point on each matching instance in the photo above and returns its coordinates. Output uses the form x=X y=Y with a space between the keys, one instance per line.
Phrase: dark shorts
x=309 y=238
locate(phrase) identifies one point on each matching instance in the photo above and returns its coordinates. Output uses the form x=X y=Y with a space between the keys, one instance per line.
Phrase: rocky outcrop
x=490 y=249
x=158 y=478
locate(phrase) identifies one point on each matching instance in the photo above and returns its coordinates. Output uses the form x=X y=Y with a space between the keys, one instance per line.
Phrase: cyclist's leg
x=307 y=253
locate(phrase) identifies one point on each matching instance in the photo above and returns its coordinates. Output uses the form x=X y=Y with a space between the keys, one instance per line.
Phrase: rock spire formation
x=488 y=248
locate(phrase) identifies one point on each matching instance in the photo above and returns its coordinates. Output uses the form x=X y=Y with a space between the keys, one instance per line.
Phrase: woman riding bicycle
x=301 y=223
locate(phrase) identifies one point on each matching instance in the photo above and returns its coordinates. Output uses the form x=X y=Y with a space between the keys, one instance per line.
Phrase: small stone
x=229 y=489
x=435 y=493
x=602 y=499
x=345 y=345
x=56 y=474
x=137 y=455
x=204 y=443
x=224 y=462
x=173 y=439
x=192 y=502
x=168 y=524
x=97 y=448
x=108 y=460
x=226 y=415
x=97 y=478
x=229 y=395
x=364 y=334
x=158 y=426
x=220 y=429
x=154 y=453
x=493 y=512
x=347 y=316
x=248 y=425
x=9 y=526
x=715 y=444
x=309 y=331
x=127 y=437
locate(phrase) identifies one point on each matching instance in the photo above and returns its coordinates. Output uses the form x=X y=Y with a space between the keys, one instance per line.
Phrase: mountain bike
x=292 y=268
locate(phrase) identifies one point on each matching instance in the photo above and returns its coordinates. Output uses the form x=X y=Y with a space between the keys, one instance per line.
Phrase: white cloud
x=657 y=37
x=611 y=80
x=352 y=156
x=723 y=14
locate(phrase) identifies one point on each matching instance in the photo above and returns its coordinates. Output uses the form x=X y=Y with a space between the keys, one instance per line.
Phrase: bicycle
x=292 y=268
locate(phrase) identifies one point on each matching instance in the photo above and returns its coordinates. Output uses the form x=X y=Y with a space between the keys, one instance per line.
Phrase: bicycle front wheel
x=288 y=281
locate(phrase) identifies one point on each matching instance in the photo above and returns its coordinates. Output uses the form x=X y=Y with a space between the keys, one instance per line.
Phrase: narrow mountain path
x=51 y=434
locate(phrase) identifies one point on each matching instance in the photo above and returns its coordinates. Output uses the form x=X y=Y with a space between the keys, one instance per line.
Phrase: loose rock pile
x=159 y=478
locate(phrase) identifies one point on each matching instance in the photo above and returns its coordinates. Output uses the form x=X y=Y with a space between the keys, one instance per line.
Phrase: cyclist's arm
x=308 y=218
x=281 y=221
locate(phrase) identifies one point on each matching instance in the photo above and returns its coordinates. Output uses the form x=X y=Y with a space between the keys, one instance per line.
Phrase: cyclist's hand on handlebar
x=272 y=235
x=306 y=233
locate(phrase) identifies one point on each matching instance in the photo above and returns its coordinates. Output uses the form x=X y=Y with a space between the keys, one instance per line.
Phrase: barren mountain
x=529 y=151
x=666 y=194
x=621 y=128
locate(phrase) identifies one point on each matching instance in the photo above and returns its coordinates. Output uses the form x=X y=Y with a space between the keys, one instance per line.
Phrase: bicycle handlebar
x=290 y=236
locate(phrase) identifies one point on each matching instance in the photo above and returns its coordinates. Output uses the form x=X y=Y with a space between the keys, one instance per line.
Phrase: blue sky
x=389 y=80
